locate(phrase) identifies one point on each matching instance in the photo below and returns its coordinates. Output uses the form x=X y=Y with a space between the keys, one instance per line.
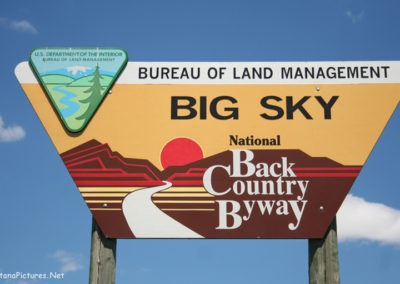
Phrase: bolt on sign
x=210 y=149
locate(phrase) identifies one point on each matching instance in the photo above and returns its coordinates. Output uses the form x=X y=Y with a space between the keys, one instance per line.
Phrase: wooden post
x=323 y=258
x=102 y=257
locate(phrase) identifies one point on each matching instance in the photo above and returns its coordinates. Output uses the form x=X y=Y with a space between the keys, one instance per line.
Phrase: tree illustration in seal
x=95 y=95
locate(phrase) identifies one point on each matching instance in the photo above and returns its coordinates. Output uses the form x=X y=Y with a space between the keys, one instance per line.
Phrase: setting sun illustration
x=179 y=152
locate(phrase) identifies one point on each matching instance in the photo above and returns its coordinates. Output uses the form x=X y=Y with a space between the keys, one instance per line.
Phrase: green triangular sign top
x=77 y=80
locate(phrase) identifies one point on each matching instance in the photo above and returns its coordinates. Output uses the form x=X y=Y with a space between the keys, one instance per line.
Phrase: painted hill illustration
x=105 y=177
x=95 y=164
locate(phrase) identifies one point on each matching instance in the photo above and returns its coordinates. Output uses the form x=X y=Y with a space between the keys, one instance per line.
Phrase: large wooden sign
x=212 y=149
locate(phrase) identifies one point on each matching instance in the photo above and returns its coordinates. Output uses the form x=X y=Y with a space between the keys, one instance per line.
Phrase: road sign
x=223 y=149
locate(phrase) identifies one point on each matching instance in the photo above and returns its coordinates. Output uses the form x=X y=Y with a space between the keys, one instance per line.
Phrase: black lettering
x=246 y=73
x=154 y=75
x=142 y=72
x=234 y=74
x=309 y=73
x=320 y=73
x=375 y=72
x=174 y=73
x=291 y=108
x=165 y=72
x=287 y=73
x=233 y=140
x=203 y=107
x=331 y=72
x=233 y=112
x=352 y=72
x=279 y=111
x=298 y=73
x=340 y=73
x=268 y=73
x=194 y=74
x=184 y=104
x=385 y=68
x=327 y=106
x=364 y=72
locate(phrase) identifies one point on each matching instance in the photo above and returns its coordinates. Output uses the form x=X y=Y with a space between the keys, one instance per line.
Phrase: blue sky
x=45 y=224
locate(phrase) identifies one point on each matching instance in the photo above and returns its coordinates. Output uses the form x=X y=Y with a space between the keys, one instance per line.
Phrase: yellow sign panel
x=224 y=150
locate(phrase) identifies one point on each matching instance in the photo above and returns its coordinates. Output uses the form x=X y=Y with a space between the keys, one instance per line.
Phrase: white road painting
x=146 y=220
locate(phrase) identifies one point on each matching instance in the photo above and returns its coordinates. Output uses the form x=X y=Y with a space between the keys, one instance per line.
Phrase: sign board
x=213 y=149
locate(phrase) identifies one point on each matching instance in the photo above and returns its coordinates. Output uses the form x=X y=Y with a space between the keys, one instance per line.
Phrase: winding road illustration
x=146 y=220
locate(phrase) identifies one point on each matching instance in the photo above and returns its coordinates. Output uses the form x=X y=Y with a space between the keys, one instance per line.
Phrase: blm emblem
x=76 y=80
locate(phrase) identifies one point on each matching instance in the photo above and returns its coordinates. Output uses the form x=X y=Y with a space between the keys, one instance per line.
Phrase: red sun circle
x=179 y=152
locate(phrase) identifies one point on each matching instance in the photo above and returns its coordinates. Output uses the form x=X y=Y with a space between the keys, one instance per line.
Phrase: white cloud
x=355 y=18
x=69 y=262
x=23 y=26
x=359 y=219
x=10 y=133
x=19 y=26
x=75 y=69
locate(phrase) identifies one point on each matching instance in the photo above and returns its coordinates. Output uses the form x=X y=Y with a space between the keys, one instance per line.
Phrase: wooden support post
x=323 y=258
x=102 y=257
